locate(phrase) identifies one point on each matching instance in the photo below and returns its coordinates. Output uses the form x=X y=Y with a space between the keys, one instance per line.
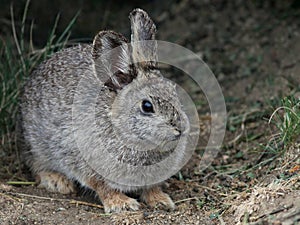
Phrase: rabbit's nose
x=177 y=132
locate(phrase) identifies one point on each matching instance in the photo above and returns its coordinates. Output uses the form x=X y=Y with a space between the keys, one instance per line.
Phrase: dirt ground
x=253 y=48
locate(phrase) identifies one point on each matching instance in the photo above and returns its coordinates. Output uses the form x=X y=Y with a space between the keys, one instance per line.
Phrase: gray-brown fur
x=48 y=127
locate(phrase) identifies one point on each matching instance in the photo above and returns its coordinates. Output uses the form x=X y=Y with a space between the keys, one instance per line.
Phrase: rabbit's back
x=46 y=108
x=55 y=77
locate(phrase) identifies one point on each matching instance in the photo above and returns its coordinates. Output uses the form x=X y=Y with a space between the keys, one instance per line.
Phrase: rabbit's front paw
x=119 y=202
x=55 y=182
x=112 y=200
x=155 y=197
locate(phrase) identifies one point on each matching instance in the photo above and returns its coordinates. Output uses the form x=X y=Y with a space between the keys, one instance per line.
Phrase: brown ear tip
x=138 y=12
x=101 y=40
x=99 y=35
x=141 y=22
x=109 y=33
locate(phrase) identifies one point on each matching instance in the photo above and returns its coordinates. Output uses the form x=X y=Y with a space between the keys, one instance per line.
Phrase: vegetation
x=287 y=120
x=18 y=58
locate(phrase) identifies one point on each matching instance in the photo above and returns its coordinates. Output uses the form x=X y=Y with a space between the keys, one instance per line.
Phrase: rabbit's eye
x=147 y=107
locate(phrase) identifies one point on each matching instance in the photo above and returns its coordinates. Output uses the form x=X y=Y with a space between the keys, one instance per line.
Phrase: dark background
x=94 y=15
x=252 y=47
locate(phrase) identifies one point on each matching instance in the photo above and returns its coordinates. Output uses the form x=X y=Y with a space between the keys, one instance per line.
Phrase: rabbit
x=148 y=114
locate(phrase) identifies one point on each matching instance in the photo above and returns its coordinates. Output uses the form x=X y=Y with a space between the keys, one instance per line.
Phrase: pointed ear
x=112 y=59
x=144 y=47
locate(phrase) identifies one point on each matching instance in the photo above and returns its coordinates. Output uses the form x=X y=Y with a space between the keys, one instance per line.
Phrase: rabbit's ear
x=144 y=47
x=112 y=59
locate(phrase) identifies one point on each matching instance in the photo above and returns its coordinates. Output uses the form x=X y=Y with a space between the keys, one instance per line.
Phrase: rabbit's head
x=146 y=113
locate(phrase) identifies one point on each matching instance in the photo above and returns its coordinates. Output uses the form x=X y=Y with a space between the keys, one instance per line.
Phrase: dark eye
x=147 y=107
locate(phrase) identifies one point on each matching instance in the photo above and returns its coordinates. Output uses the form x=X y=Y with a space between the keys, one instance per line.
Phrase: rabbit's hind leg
x=55 y=182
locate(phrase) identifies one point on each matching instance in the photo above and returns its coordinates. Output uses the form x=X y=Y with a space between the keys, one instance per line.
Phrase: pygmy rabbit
x=137 y=117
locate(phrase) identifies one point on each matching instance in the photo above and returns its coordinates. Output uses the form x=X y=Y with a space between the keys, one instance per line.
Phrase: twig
x=10 y=197
x=221 y=220
x=20 y=182
x=283 y=107
x=37 y=197
x=211 y=189
x=291 y=215
x=186 y=199
x=237 y=138
x=71 y=201
x=85 y=203
x=280 y=209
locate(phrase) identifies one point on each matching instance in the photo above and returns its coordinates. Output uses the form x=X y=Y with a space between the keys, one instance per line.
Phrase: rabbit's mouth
x=176 y=134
